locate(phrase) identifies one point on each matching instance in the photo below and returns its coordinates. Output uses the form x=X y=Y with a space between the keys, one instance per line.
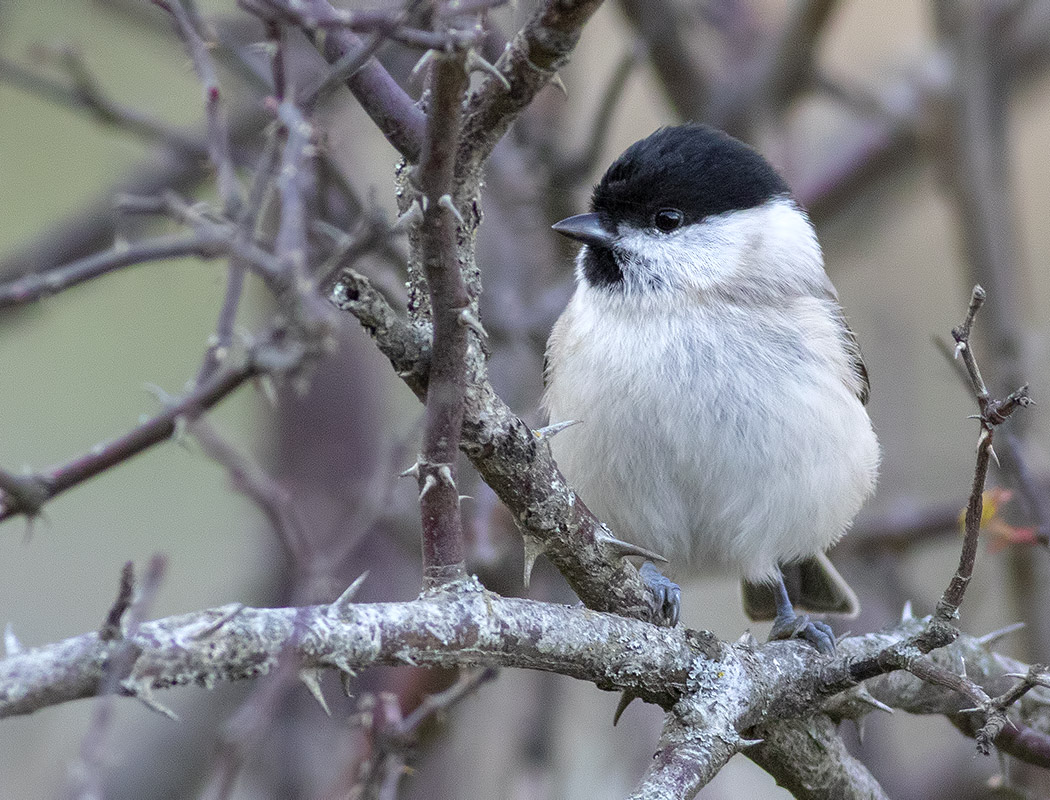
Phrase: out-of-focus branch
x=32 y=491
x=790 y=67
x=393 y=737
x=687 y=85
x=215 y=112
x=38 y=285
x=85 y=95
x=532 y=58
x=390 y=108
x=250 y=479
x=569 y=170
x=92 y=227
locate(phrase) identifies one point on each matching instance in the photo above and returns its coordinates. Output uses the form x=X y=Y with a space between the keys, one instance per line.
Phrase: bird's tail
x=813 y=585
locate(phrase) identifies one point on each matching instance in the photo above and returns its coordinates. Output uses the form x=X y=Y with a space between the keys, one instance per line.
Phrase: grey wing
x=856 y=360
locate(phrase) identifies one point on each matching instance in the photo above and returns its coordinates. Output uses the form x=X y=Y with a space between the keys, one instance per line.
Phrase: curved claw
x=799 y=626
x=667 y=596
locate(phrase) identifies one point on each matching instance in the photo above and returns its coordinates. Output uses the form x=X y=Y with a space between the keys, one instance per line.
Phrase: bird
x=720 y=391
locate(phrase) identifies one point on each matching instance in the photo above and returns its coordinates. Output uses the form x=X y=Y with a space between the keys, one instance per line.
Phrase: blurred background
x=917 y=134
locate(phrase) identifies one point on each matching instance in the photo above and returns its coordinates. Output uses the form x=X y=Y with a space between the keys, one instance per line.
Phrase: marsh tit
x=720 y=391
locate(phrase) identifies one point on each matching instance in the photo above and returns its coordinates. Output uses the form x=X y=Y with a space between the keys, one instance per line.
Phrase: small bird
x=720 y=391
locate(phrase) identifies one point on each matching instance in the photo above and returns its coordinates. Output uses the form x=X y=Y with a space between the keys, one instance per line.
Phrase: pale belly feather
x=724 y=447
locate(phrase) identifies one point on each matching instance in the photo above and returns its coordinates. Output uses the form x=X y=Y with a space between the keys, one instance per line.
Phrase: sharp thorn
x=141 y=691
x=421 y=65
x=31 y=519
x=747 y=639
x=412 y=216
x=428 y=484
x=476 y=63
x=550 y=431
x=159 y=394
x=866 y=697
x=268 y=388
x=411 y=472
x=12 y=647
x=558 y=83
x=995 y=458
x=625 y=700
x=467 y=318
x=445 y=201
x=342 y=603
x=346 y=678
x=312 y=679
x=444 y=474
x=743 y=743
x=622 y=548
x=534 y=548
x=959 y=347
x=907 y=615
x=178 y=433
x=214 y=627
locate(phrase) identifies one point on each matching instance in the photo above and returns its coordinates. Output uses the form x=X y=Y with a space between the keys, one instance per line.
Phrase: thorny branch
x=218 y=130
x=449 y=311
x=393 y=738
x=26 y=494
x=720 y=697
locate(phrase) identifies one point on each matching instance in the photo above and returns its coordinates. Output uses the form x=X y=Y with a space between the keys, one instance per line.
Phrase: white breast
x=715 y=435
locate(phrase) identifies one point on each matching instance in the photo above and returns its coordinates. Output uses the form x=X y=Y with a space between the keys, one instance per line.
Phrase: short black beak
x=586 y=228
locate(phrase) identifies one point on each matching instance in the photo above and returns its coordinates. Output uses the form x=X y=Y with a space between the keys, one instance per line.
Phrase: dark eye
x=667 y=219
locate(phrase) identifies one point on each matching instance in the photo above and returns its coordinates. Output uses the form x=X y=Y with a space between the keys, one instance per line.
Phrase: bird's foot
x=800 y=626
x=667 y=597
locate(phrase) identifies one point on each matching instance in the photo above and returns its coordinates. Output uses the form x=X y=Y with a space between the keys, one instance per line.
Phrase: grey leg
x=789 y=625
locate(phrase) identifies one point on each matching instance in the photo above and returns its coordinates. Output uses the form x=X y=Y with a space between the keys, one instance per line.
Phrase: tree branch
x=38 y=285
x=390 y=108
x=809 y=759
x=516 y=463
x=536 y=53
x=450 y=312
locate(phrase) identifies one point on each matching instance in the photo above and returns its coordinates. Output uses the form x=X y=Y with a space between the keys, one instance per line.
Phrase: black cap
x=696 y=169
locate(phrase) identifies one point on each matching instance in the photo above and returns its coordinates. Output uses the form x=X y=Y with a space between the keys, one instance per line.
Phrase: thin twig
x=993 y=413
x=85 y=95
x=121 y=627
x=249 y=478
x=218 y=129
x=352 y=61
x=262 y=179
x=393 y=738
x=38 y=285
x=158 y=429
x=392 y=110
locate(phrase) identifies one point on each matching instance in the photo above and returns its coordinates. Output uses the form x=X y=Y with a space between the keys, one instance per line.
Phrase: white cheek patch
x=772 y=242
